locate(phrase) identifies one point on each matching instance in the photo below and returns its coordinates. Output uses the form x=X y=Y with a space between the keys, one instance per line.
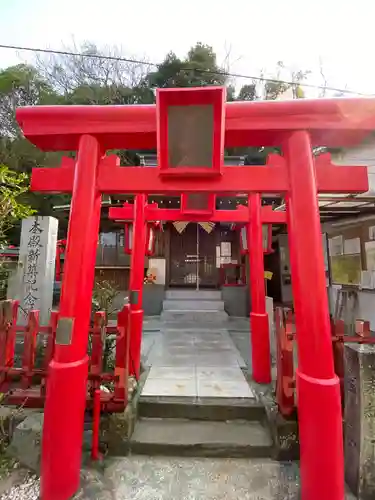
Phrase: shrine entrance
x=192 y=257
x=192 y=162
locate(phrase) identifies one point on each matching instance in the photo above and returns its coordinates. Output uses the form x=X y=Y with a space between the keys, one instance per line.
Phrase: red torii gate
x=261 y=359
x=296 y=126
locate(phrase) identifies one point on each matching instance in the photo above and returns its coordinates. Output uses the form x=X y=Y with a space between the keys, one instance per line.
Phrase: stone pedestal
x=36 y=267
x=360 y=419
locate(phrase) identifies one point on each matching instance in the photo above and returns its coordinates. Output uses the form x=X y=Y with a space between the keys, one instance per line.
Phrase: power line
x=198 y=70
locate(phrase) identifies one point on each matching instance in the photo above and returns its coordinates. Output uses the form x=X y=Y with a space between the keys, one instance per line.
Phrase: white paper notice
x=226 y=249
x=367 y=280
x=352 y=246
x=336 y=246
x=370 y=255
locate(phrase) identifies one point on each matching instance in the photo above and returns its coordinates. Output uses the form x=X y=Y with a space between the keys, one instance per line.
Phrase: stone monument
x=36 y=267
x=360 y=419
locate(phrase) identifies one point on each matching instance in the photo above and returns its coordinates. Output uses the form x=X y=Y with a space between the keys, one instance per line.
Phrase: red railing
x=26 y=383
x=285 y=338
x=285 y=365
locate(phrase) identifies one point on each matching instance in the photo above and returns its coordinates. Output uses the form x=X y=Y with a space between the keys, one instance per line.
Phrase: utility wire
x=198 y=70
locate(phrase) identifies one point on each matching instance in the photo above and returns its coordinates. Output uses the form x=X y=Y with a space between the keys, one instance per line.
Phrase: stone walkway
x=194 y=363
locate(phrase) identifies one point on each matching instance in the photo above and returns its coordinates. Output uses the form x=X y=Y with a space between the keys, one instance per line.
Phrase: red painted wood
x=284 y=364
x=330 y=122
x=122 y=355
x=273 y=179
x=202 y=96
x=259 y=331
x=241 y=215
x=29 y=348
x=68 y=370
x=318 y=388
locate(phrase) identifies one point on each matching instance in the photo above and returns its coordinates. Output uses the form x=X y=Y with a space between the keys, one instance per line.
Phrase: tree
x=94 y=75
x=199 y=68
x=21 y=85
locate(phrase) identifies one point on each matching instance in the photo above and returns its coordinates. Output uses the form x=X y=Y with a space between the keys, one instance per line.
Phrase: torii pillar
x=136 y=284
x=260 y=336
x=318 y=388
x=67 y=375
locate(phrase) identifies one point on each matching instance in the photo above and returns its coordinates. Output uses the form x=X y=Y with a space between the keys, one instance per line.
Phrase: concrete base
x=236 y=300
x=153 y=297
x=360 y=419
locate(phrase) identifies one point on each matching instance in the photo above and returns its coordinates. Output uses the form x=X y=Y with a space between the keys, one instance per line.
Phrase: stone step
x=207 y=317
x=232 y=409
x=174 y=437
x=193 y=305
x=193 y=294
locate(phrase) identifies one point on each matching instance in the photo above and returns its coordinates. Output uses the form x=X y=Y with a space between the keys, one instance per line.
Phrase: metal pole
x=318 y=388
x=136 y=283
x=260 y=338
x=67 y=377
x=197 y=268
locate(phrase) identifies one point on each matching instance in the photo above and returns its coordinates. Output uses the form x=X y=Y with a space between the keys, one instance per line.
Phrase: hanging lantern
x=150 y=239
x=243 y=240
x=128 y=240
x=266 y=236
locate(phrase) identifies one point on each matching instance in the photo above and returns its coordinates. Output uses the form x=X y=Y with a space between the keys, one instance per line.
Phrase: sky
x=250 y=36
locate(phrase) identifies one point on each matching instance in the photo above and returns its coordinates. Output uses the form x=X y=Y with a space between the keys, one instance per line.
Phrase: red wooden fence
x=285 y=338
x=26 y=384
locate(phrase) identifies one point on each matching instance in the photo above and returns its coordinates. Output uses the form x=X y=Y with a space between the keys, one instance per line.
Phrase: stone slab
x=25 y=445
x=174 y=388
x=193 y=305
x=179 y=357
x=224 y=389
x=360 y=419
x=33 y=285
x=201 y=438
x=214 y=409
x=193 y=294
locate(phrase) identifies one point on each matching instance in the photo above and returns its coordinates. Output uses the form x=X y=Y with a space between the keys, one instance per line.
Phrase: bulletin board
x=346 y=269
x=352 y=256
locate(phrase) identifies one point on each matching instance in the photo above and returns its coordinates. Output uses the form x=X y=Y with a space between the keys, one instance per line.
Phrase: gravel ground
x=28 y=489
x=163 y=478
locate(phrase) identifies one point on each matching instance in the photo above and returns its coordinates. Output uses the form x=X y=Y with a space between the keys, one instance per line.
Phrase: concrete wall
x=153 y=296
x=236 y=300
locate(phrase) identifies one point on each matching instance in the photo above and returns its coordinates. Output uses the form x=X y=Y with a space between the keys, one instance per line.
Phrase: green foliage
x=248 y=93
x=13 y=185
x=198 y=69
x=103 y=297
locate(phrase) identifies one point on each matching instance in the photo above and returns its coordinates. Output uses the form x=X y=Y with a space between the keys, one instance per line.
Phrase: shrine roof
x=338 y=122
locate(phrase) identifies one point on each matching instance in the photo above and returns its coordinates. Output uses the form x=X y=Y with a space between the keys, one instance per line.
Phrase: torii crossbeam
x=187 y=166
